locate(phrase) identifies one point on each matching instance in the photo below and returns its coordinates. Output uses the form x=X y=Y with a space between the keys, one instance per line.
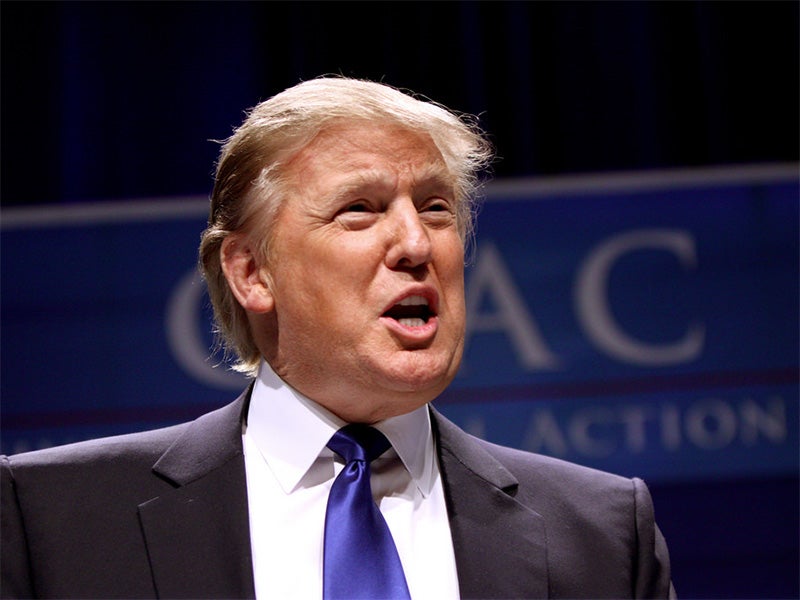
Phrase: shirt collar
x=291 y=431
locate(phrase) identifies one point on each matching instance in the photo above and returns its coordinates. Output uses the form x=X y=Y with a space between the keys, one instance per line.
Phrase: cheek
x=451 y=270
x=322 y=300
x=453 y=285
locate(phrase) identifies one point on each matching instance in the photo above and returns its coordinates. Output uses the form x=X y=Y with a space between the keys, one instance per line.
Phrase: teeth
x=411 y=322
x=413 y=301
x=411 y=311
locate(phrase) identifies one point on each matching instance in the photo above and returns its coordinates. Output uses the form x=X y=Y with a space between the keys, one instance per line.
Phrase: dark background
x=108 y=101
x=113 y=100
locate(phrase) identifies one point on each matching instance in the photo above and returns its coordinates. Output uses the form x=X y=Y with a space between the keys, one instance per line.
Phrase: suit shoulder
x=142 y=445
x=525 y=464
x=515 y=458
x=571 y=496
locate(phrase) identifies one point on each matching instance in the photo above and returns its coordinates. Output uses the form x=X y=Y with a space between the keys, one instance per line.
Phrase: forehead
x=369 y=151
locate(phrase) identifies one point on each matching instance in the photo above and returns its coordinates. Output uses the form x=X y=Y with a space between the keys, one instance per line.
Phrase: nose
x=409 y=239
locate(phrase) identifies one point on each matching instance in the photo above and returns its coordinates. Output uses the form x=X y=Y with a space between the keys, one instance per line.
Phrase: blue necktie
x=360 y=558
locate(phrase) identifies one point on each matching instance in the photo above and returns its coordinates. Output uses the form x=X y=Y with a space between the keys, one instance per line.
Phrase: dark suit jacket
x=164 y=514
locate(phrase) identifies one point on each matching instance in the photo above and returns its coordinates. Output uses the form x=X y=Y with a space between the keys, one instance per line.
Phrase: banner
x=645 y=324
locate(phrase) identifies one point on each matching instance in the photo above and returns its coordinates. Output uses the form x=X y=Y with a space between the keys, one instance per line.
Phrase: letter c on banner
x=591 y=299
x=185 y=338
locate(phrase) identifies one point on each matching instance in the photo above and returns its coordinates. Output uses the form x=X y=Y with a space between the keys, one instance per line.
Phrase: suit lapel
x=197 y=534
x=499 y=544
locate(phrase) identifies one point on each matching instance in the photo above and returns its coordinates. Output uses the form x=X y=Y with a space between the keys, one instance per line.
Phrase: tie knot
x=358 y=442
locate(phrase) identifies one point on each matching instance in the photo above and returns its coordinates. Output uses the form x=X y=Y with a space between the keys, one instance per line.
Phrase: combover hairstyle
x=249 y=189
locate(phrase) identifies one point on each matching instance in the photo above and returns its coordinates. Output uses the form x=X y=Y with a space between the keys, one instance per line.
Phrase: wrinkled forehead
x=371 y=150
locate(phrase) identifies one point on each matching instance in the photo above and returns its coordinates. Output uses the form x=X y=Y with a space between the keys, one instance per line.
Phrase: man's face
x=366 y=273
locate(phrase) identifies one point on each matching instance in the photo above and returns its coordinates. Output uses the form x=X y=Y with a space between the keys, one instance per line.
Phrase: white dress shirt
x=289 y=475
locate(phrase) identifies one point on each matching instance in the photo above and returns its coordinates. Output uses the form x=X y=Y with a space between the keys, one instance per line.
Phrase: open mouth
x=412 y=311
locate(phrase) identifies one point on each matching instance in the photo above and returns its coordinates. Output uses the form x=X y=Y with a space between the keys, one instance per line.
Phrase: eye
x=357 y=215
x=437 y=205
x=357 y=207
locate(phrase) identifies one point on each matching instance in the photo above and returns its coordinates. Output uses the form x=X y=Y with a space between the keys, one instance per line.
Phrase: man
x=334 y=260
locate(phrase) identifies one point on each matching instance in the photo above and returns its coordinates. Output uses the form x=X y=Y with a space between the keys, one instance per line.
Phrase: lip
x=420 y=333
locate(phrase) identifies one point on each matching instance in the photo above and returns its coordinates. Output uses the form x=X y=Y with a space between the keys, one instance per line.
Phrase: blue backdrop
x=657 y=335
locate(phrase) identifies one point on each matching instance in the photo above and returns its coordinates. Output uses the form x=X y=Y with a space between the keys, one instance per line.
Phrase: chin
x=412 y=376
x=422 y=381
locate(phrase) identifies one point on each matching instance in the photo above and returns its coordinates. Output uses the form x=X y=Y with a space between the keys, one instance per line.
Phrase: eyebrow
x=433 y=176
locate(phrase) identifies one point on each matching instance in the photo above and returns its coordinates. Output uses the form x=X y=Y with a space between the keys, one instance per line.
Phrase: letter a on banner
x=510 y=317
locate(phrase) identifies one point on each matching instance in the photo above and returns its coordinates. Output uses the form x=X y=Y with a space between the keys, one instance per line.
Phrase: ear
x=245 y=277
